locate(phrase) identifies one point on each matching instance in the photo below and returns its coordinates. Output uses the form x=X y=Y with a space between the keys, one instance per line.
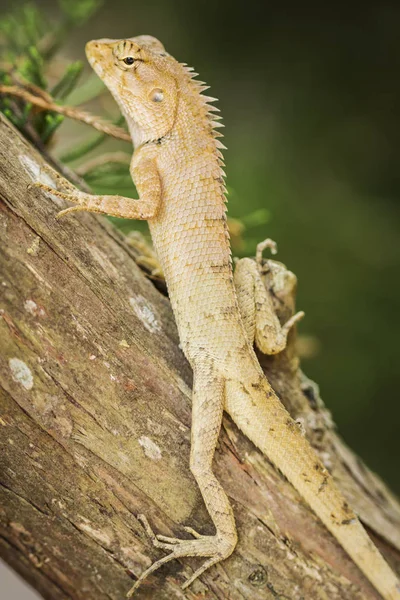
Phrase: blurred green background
x=310 y=96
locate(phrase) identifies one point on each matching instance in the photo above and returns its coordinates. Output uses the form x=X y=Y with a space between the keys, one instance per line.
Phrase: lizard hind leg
x=256 y=304
x=207 y=408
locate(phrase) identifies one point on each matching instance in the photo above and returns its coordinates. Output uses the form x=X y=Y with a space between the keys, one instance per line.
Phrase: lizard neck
x=195 y=124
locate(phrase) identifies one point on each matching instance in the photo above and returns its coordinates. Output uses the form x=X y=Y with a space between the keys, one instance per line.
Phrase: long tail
x=260 y=415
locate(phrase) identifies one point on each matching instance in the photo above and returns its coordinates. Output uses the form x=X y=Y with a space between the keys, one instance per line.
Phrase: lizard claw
x=32 y=186
x=264 y=267
x=171 y=540
x=214 y=547
x=48 y=189
x=194 y=533
x=268 y=243
x=73 y=195
x=70 y=209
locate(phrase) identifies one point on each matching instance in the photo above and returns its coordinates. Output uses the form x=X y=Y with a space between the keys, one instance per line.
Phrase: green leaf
x=32 y=68
x=68 y=81
x=51 y=122
x=33 y=23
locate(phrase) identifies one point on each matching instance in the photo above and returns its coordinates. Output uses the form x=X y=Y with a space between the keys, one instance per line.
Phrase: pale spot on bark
x=21 y=373
x=34 y=170
x=134 y=558
x=31 y=307
x=65 y=426
x=34 y=247
x=59 y=503
x=19 y=528
x=143 y=311
x=151 y=449
x=96 y=534
x=38 y=175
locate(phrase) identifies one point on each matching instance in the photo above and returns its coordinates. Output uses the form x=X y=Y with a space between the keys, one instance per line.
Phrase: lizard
x=177 y=168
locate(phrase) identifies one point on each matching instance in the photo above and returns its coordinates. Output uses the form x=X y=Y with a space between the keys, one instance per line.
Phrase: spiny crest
x=207 y=110
x=212 y=123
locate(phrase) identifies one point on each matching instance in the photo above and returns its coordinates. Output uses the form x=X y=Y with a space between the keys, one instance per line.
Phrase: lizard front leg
x=256 y=305
x=147 y=181
x=208 y=403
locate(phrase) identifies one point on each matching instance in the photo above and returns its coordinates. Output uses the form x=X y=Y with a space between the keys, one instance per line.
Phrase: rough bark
x=95 y=428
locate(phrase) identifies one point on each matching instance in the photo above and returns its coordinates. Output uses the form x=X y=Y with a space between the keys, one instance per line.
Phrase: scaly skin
x=177 y=171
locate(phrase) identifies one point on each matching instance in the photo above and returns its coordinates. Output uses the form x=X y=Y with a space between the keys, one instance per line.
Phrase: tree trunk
x=95 y=428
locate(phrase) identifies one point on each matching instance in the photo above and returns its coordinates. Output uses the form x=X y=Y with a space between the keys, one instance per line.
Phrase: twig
x=30 y=87
x=67 y=111
x=104 y=159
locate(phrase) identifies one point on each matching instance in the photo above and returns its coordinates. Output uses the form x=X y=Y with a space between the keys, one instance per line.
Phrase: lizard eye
x=129 y=60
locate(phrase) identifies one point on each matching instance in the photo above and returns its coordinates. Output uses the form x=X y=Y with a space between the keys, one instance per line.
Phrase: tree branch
x=95 y=428
x=45 y=102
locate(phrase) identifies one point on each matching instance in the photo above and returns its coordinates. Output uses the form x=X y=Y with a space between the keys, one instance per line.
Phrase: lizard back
x=190 y=231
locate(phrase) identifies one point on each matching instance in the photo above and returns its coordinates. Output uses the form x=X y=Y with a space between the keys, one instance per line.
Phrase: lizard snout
x=96 y=49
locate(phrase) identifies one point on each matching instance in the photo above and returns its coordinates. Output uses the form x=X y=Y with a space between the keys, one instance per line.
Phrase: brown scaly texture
x=177 y=171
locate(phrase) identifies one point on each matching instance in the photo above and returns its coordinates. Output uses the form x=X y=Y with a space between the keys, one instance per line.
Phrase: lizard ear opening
x=157 y=95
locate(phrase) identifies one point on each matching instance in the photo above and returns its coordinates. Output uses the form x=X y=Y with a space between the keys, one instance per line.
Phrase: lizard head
x=140 y=75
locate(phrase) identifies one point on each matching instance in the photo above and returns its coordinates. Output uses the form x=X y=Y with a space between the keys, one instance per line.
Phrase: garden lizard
x=177 y=167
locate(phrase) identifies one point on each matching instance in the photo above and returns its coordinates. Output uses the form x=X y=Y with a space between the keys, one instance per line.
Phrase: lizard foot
x=61 y=182
x=215 y=548
x=50 y=178
x=71 y=194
